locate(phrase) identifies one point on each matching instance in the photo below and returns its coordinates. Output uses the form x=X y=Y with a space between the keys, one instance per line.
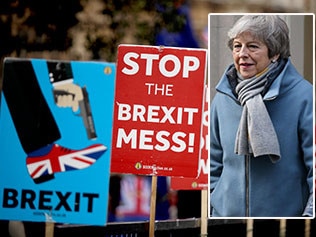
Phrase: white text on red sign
x=190 y=63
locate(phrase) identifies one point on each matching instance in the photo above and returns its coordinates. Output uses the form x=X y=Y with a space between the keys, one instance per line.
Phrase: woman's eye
x=254 y=46
x=236 y=47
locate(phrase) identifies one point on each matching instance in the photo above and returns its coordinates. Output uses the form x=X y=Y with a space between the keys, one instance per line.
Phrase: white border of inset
x=313 y=80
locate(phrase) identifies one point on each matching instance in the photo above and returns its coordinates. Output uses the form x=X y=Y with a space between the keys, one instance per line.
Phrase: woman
x=261 y=127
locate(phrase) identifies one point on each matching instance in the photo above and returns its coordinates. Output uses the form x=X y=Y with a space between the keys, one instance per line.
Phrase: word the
x=156 y=89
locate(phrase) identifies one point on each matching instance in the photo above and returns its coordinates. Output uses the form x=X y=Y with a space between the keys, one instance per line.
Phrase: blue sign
x=55 y=135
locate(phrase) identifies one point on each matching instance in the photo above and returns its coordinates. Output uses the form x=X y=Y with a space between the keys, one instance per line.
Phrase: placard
x=55 y=132
x=158 y=110
x=201 y=182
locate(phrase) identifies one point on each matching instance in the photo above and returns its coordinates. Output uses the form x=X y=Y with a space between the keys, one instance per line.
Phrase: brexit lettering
x=43 y=200
x=156 y=114
x=144 y=139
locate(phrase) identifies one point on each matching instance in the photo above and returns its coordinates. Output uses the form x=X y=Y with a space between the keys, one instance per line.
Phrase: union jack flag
x=61 y=159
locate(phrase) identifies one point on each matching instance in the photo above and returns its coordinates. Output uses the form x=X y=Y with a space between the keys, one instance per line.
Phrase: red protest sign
x=201 y=182
x=158 y=110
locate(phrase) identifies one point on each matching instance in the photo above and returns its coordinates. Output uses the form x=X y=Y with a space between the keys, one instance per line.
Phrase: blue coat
x=247 y=186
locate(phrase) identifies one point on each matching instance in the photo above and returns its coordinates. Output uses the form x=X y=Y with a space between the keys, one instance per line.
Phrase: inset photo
x=261 y=77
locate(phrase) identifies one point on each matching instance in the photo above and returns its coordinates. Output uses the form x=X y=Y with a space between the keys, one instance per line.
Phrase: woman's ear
x=275 y=58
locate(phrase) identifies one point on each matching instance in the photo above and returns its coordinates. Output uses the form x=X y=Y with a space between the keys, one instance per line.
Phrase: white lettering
x=190 y=111
x=145 y=137
x=168 y=115
x=134 y=65
x=138 y=112
x=124 y=113
x=162 y=138
x=149 y=62
x=152 y=140
x=204 y=166
x=187 y=67
x=153 y=113
x=156 y=114
x=181 y=144
x=131 y=137
x=176 y=68
x=183 y=65
x=156 y=89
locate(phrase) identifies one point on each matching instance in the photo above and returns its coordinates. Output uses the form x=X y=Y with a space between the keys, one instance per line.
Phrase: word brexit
x=43 y=200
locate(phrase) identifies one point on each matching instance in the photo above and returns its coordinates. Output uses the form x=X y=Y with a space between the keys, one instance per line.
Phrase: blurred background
x=92 y=29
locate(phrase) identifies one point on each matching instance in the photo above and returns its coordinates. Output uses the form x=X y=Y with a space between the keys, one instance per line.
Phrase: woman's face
x=250 y=55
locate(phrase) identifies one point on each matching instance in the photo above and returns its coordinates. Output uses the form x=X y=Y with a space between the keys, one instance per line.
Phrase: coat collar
x=226 y=84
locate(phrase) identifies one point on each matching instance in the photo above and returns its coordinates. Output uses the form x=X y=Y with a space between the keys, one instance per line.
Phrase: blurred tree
x=125 y=21
x=84 y=29
x=35 y=25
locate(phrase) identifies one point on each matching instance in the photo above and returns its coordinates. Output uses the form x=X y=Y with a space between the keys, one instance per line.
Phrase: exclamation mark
x=191 y=142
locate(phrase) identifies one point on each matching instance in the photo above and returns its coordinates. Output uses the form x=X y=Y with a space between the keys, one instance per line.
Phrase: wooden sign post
x=153 y=199
x=49 y=229
x=204 y=212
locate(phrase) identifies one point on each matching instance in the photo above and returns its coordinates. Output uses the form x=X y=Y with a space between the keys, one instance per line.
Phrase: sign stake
x=49 y=229
x=153 y=206
x=249 y=226
x=282 y=228
x=204 y=204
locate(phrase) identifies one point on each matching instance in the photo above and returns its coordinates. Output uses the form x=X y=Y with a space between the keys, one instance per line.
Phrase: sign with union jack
x=56 y=133
x=63 y=160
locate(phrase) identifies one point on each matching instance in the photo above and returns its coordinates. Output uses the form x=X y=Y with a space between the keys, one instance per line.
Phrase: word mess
x=152 y=140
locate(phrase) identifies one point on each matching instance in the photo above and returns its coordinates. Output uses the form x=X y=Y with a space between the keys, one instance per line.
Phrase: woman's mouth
x=245 y=65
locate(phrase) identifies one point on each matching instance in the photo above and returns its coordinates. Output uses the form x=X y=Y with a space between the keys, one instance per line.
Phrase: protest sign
x=158 y=109
x=200 y=182
x=55 y=132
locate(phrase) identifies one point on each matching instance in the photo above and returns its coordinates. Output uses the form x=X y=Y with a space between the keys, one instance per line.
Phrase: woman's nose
x=243 y=51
